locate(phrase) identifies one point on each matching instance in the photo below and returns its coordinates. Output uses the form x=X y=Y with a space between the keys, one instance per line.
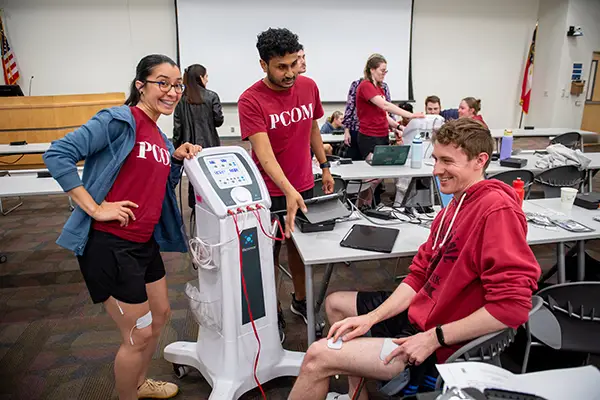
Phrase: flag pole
x=521 y=119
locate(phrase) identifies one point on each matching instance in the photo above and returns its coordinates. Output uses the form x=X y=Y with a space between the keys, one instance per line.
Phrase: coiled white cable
x=202 y=251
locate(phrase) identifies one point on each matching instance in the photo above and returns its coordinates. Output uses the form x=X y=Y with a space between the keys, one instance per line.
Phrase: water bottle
x=519 y=187
x=506 y=146
x=416 y=153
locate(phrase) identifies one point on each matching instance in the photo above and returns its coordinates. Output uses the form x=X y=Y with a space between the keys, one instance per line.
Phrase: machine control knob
x=241 y=195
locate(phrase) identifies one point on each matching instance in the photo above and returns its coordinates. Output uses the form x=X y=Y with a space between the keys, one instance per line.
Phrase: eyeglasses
x=165 y=86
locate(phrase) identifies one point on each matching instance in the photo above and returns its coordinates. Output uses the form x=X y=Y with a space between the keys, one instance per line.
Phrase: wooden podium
x=42 y=119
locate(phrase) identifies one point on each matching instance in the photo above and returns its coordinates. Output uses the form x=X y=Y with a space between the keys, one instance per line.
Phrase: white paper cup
x=567 y=197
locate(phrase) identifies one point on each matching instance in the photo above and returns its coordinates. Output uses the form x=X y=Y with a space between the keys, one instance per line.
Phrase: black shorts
x=395 y=327
x=279 y=208
x=116 y=267
x=422 y=377
x=366 y=144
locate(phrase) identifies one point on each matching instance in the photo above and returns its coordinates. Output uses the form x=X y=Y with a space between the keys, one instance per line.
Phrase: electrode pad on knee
x=142 y=322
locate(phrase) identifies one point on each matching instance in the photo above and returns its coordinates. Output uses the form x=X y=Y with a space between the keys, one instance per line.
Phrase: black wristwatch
x=326 y=164
x=440 y=336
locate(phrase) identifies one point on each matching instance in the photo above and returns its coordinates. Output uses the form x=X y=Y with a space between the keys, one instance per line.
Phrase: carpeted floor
x=55 y=344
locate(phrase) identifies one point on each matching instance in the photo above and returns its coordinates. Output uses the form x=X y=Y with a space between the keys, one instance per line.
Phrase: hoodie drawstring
x=437 y=235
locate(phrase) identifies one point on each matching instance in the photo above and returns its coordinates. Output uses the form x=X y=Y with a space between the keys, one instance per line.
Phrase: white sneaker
x=337 y=396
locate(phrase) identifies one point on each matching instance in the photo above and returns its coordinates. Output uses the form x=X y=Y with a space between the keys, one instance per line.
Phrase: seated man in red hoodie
x=474 y=275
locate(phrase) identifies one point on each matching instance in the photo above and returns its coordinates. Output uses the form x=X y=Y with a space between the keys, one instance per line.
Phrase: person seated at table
x=433 y=106
x=474 y=275
x=407 y=107
x=333 y=124
x=469 y=108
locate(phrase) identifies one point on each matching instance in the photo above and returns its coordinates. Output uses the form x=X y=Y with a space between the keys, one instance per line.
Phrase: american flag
x=528 y=75
x=9 y=63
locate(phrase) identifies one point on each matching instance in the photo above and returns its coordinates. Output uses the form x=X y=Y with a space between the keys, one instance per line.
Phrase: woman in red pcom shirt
x=372 y=108
x=469 y=108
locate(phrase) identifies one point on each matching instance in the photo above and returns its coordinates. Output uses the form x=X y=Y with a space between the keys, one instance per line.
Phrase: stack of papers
x=559 y=384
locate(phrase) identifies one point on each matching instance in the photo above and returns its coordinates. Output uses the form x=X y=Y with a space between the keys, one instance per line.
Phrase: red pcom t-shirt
x=142 y=180
x=287 y=117
x=372 y=119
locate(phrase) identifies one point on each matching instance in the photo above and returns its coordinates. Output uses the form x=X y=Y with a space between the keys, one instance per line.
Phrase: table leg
x=323 y=289
x=310 y=304
x=590 y=177
x=560 y=260
x=581 y=261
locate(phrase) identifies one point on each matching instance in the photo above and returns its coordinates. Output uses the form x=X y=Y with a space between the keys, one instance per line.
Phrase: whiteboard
x=338 y=36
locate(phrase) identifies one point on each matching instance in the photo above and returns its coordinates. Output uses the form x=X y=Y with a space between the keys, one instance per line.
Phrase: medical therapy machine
x=234 y=299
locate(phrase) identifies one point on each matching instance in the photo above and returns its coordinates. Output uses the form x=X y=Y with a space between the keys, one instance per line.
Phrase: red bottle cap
x=518 y=184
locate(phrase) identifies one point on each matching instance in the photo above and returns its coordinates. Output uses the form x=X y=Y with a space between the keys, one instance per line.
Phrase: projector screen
x=338 y=36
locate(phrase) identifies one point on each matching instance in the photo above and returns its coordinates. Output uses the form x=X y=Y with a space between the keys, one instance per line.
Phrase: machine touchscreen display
x=227 y=171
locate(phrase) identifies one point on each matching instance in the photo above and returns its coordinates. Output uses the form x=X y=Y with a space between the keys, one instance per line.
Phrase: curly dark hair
x=277 y=43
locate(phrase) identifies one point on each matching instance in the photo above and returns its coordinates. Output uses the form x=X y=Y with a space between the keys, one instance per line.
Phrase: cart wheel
x=180 y=370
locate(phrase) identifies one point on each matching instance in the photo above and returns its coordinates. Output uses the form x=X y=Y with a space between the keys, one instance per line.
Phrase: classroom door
x=591 y=110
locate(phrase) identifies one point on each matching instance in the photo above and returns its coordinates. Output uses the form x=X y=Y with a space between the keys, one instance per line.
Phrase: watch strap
x=440 y=336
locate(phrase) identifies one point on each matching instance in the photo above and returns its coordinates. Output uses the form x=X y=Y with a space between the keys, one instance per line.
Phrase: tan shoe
x=152 y=389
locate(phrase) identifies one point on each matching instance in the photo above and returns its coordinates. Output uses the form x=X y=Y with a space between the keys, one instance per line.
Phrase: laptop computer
x=389 y=155
x=445 y=198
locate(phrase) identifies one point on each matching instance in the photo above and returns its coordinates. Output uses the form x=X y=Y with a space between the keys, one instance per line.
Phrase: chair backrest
x=554 y=178
x=570 y=318
x=486 y=348
x=509 y=176
x=339 y=185
x=571 y=140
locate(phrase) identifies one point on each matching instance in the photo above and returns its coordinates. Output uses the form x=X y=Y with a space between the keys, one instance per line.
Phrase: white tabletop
x=11 y=186
x=360 y=170
x=31 y=148
x=552 y=209
x=412 y=236
x=539 y=132
x=329 y=250
x=330 y=138
x=496 y=133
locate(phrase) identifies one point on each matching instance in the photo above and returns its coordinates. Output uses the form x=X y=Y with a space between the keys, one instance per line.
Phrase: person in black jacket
x=198 y=114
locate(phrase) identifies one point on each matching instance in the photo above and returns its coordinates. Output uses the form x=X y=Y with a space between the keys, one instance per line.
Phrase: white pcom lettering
x=159 y=154
x=295 y=115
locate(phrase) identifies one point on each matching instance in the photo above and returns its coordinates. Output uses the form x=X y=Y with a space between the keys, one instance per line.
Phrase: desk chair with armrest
x=570 y=318
x=572 y=140
x=487 y=349
x=552 y=180
x=509 y=176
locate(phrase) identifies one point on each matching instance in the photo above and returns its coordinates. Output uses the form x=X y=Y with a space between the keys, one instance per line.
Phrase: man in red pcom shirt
x=279 y=114
x=475 y=275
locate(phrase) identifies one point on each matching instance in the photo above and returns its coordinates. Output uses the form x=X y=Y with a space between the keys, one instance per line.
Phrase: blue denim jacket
x=104 y=142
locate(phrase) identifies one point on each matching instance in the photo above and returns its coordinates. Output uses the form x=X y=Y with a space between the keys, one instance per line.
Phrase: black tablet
x=372 y=238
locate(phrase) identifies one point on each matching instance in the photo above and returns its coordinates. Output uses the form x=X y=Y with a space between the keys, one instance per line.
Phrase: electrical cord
x=237 y=229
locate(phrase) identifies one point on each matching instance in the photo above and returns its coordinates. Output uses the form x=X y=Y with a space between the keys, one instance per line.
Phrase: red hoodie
x=481 y=259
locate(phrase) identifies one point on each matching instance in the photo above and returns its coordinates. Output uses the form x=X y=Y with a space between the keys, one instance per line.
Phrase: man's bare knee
x=315 y=358
x=338 y=307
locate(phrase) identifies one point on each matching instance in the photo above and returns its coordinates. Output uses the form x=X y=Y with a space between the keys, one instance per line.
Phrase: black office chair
x=571 y=140
x=339 y=186
x=564 y=176
x=486 y=349
x=509 y=176
x=570 y=317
